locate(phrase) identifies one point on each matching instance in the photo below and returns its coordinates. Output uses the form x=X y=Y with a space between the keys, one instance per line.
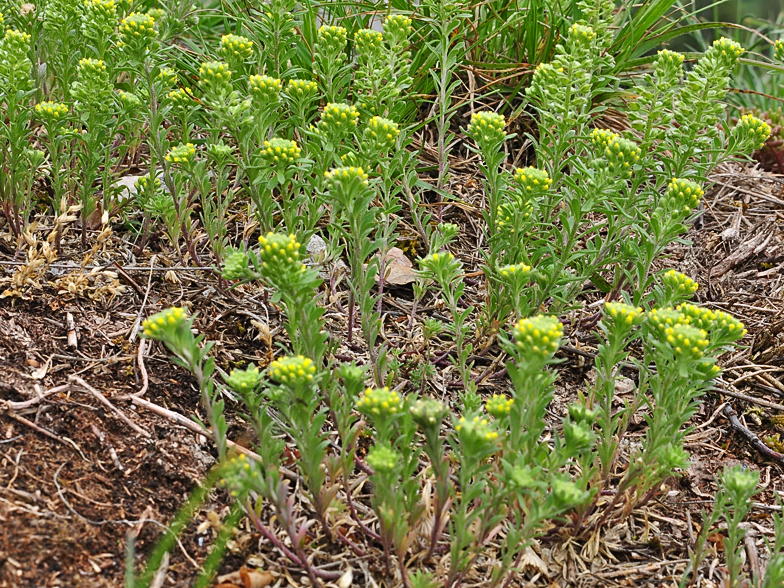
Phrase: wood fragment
x=745 y=250
x=70 y=324
x=757 y=443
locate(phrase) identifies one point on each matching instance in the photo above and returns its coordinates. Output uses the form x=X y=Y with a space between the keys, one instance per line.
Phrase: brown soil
x=76 y=480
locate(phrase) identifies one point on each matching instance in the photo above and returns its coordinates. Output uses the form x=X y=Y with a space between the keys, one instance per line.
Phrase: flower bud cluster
x=532 y=180
x=162 y=326
x=51 y=112
x=428 y=412
x=488 y=130
x=301 y=89
x=215 y=78
x=280 y=152
x=515 y=271
x=726 y=52
x=623 y=313
x=182 y=154
x=240 y=476
x=235 y=48
x=369 y=44
x=236 y=266
x=778 y=48
x=499 y=405
x=92 y=88
x=621 y=154
x=380 y=135
x=752 y=130
x=99 y=17
x=679 y=283
x=397 y=27
x=181 y=99
x=538 y=336
x=343 y=178
x=719 y=324
x=137 y=33
x=379 y=402
x=265 y=90
x=383 y=459
x=476 y=430
x=681 y=196
x=244 y=381
x=129 y=101
x=331 y=40
x=668 y=64
x=294 y=371
x=279 y=254
x=337 y=121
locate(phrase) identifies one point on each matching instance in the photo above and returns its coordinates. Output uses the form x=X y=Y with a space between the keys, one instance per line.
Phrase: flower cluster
x=265 y=90
x=16 y=43
x=144 y=186
x=538 y=336
x=99 y=17
x=92 y=88
x=428 y=412
x=181 y=99
x=337 y=121
x=129 y=101
x=719 y=324
x=681 y=196
x=383 y=459
x=51 y=112
x=182 y=154
x=344 y=177
x=235 y=48
x=778 y=47
x=499 y=405
x=726 y=52
x=301 y=89
x=512 y=271
x=752 y=130
x=441 y=264
x=488 y=130
x=236 y=266
x=621 y=154
x=581 y=32
x=379 y=402
x=368 y=43
x=161 y=326
x=240 y=476
x=294 y=371
x=244 y=380
x=137 y=33
x=623 y=313
x=279 y=254
x=380 y=134
x=215 y=77
x=331 y=39
x=661 y=319
x=513 y=209
x=397 y=27
x=532 y=180
x=166 y=77
x=686 y=341
x=280 y=152
x=476 y=430
x=680 y=283
x=668 y=60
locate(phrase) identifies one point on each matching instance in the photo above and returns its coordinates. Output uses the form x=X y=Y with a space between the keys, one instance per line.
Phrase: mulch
x=77 y=481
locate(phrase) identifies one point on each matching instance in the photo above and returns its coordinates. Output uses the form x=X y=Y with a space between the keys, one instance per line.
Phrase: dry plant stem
x=102 y=399
x=350 y=501
x=753 y=440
